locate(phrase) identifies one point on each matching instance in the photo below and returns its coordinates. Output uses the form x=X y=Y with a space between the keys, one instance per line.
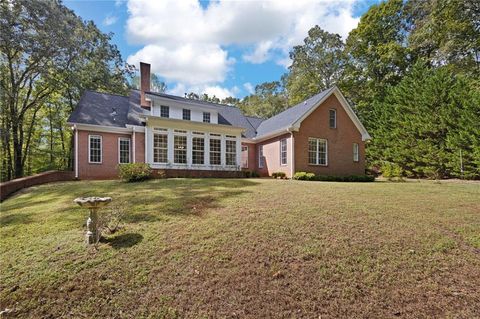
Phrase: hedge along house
x=177 y=136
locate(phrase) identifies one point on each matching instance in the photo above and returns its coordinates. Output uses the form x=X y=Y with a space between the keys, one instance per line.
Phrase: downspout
x=76 y=150
x=292 y=152
x=133 y=143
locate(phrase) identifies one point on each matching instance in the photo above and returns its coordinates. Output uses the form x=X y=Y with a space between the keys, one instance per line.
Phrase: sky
x=222 y=48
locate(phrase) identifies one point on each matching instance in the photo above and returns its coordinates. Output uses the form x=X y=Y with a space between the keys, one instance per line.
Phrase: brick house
x=183 y=137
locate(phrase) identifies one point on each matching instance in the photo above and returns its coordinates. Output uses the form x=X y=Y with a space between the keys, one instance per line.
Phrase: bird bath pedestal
x=93 y=204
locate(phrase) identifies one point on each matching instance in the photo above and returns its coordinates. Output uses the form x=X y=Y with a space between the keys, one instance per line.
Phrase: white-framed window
x=123 y=150
x=186 y=114
x=215 y=151
x=332 y=118
x=206 y=117
x=95 y=149
x=180 y=149
x=317 y=151
x=164 y=111
x=160 y=147
x=198 y=150
x=261 y=159
x=283 y=151
x=230 y=152
x=355 y=152
x=244 y=156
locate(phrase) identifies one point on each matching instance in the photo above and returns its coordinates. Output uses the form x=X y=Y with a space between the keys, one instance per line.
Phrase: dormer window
x=186 y=114
x=206 y=117
x=164 y=111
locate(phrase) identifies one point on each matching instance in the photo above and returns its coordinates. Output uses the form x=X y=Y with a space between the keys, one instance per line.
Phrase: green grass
x=246 y=248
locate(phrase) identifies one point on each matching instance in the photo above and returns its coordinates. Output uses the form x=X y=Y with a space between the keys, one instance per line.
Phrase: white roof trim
x=101 y=128
x=346 y=107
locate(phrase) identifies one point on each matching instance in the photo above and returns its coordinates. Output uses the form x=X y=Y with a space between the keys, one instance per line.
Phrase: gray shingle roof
x=286 y=118
x=106 y=109
x=103 y=109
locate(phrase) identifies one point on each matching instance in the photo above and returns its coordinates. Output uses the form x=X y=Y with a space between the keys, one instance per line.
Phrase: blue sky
x=218 y=47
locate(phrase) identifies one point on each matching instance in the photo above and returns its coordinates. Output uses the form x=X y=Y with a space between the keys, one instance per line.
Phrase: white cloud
x=249 y=87
x=191 y=63
x=189 y=44
x=109 y=20
x=260 y=54
x=212 y=90
x=118 y=3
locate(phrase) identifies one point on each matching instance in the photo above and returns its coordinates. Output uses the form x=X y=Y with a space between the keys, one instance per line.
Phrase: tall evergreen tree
x=432 y=122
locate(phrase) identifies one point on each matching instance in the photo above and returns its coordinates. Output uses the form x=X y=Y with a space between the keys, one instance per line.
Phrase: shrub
x=134 y=172
x=281 y=175
x=392 y=171
x=352 y=178
x=304 y=176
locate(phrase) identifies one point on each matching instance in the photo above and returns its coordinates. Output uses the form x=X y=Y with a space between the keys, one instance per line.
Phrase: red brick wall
x=271 y=152
x=139 y=147
x=340 y=142
x=252 y=157
x=108 y=168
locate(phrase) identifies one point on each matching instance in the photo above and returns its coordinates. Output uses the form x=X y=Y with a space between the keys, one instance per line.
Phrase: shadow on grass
x=124 y=240
x=148 y=201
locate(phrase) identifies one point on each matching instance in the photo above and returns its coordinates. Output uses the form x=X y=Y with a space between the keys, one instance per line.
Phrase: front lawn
x=246 y=248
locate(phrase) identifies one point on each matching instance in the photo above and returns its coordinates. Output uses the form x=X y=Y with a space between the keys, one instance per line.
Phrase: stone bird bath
x=93 y=204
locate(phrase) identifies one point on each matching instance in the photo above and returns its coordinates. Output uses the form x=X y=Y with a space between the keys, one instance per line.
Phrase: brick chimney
x=144 y=84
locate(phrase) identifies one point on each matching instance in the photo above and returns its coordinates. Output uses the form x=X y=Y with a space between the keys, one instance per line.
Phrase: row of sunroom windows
x=180 y=148
x=198 y=151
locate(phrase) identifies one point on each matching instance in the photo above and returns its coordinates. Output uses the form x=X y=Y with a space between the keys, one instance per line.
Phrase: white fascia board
x=101 y=128
x=274 y=134
x=346 y=107
x=352 y=115
x=136 y=128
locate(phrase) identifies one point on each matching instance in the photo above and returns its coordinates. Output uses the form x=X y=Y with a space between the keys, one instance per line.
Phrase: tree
x=446 y=33
x=432 y=120
x=316 y=65
x=156 y=85
x=40 y=64
x=269 y=99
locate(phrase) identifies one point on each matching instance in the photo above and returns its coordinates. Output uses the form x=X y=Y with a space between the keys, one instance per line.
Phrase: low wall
x=10 y=187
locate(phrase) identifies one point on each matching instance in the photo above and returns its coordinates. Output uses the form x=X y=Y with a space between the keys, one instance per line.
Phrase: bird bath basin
x=93 y=204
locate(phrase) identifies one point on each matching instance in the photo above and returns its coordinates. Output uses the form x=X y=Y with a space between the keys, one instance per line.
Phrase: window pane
x=312 y=151
x=164 y=111
x=124 y=151
x=95 y=155
x=283 y=151
x=322 y=152
x=355 y=152
x=215 y=152
x=160 y=148
x=186 y=114
x=180 y=149
x=333 y=118
x=198 y=150
x=206 y=117
x=231 y=152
